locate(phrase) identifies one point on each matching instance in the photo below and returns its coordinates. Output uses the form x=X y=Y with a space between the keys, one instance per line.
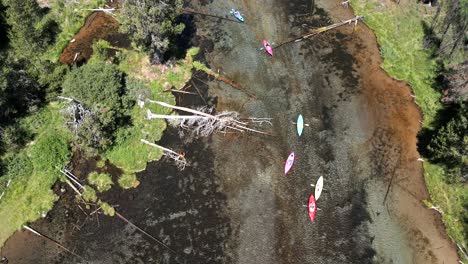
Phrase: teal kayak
x=300 y=125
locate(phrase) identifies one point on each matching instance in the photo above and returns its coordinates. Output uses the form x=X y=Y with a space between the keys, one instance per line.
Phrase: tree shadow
x=3 y=29
x=181 y=43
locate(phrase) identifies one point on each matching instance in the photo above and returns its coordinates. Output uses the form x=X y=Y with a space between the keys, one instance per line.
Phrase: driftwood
x=53 y=241
x=202 y=122
x=317 y=31
x=178 y=158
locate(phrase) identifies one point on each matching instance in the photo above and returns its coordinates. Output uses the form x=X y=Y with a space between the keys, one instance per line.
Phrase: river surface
x=234 y=204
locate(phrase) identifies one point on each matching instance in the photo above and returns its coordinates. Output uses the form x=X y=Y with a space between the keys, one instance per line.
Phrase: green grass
x=32 y=171
x=102 y=181
x=451 y=199
x=400 y=35
x=89 y=194
x=128 y=180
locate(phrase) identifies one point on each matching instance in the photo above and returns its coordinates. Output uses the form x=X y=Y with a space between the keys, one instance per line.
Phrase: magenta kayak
x=267 y=47
x=289 y=163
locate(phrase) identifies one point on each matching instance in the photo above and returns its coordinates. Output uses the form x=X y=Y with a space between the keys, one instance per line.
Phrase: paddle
x=313 y=185
x=294 y=123
x=318 y=209
x=263 y=48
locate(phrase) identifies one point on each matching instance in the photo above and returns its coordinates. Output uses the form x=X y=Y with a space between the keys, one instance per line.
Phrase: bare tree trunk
x=179 y=158
x=207 y=123
x=317 y=31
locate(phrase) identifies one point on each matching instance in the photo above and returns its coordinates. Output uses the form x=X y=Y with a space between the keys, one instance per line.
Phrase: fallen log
x=205 y=124
x=317 y=31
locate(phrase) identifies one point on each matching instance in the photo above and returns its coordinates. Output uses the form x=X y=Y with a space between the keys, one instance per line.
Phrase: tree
x=457 y=83
x=19 y=92
x=98 y=87
x=449 y=146
x=152 y=23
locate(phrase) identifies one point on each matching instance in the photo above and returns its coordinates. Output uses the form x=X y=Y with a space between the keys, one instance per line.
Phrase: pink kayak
x=289 y=163
x=268 y=47
x=312 y=208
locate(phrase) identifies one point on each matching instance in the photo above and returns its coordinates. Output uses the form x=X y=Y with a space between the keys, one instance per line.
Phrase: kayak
x=300 y=125
x=318 y=187
x=237 y=15
x=312 y=208
x=289 y=163
x=267 y=47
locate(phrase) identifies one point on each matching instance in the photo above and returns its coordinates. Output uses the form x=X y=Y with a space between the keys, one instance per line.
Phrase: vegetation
x=89 y=194
x=102 y=181
x=106 y=208
x=25 y=186
x=98 y=87
x=450 y=145
x=128 y=180
x=145 y=82
x=152 y=25
x=33 y=142
x=451 y=199
x=415 y=49
x=400 y=34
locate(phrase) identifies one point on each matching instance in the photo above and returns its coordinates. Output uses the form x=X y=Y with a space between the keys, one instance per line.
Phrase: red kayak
x=268 y=47
x=312 y=208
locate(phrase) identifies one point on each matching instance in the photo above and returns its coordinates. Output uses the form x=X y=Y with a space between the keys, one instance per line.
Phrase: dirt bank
x=98 y=26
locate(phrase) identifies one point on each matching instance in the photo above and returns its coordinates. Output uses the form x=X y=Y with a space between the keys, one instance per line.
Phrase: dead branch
x=73 y=187
x=77 y=114
x=260 y=120
x=72 y=177
x=437 y=209
x=317 y=31
x=53 y=241
x=463 y=250
x=227 y=81
x=178 y=158
x=144 y=232
x=105 y=10
x=178 y=91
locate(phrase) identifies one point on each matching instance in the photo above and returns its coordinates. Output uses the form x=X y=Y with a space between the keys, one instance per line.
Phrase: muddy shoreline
x=233 y=205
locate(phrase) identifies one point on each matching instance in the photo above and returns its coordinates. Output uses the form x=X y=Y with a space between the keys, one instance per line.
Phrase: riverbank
x=233 y=204
x=405 y=58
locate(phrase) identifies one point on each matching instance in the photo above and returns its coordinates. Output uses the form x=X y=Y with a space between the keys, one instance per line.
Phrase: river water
x=234 y=204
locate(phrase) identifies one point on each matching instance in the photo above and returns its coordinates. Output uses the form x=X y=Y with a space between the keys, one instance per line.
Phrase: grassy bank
x=26 y=187
x=400 y=34
x=130 y=154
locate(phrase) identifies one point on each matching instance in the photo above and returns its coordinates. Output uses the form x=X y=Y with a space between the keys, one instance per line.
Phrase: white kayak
x=318 y=187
